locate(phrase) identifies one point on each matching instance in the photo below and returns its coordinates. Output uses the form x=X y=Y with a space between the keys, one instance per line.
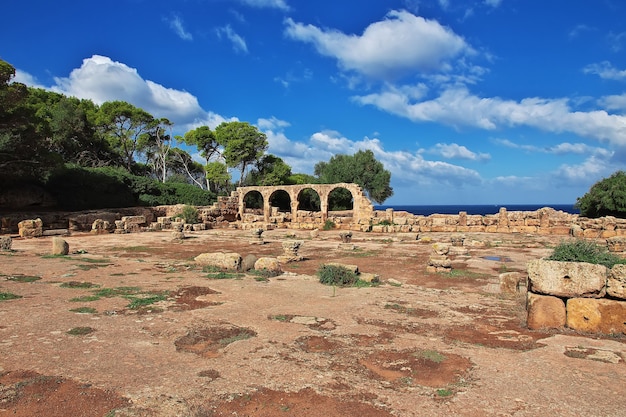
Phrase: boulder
x=369 y=277
x=5 y=243
x=247 y=263
x=228 y=261
x=271 y=265
x=60 y=246
x=616 y=283
x=510 y=282
x=30 y=228
x=545 y=312
x=596 y=316
x=567 y=279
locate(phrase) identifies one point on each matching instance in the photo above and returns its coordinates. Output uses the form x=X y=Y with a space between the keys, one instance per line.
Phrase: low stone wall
x=576 y=295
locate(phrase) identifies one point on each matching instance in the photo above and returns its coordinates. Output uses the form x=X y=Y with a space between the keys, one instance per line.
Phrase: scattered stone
x=394 y=282
x=5 y=243
x=291 y=248
x=247 y=263
x=100 y=226
x=545 y=312
x=30 y=228
x=369 y=277
x=457 y=240
x=271 y=265
x=616 y=244
x=510 y=282
x=315 y=233
x=228 y=261
x=178 y=236
x=346 y=237
x=257 y=237
x=567 y=279
x=346 y=247
x=60 y=246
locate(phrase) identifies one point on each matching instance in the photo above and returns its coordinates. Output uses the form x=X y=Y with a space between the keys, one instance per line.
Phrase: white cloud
x=239 y=43
x=456 y=151
x=272 y=123
x=615 y=102
x=399 y=45
x=564 y=148
x=176 y=24
x=27 y=79
x=457 y=107
x=493 y=3
x=101 y=79
x=605 y=70
x=271 y=4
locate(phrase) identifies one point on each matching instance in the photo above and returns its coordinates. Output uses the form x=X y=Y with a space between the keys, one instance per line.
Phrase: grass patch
x=444 y=392
x=430 y=355
x=365 y=284
x=280 y=317
x=585 y=251
x=138 y=302
x=131 y=249
x=117 y=292
x=225 y=275
x=84 y=310
x=4 y=296
x=84 y=299
x=80 y=331
x=78 y=284
x=462 y=273
x=21 y=278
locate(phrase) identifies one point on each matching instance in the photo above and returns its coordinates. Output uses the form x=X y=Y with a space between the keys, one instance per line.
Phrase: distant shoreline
x=475 y=209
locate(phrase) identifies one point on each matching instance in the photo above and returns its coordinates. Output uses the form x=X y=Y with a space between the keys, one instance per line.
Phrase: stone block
x=439 y=261
x=616 y=244
x=229 y=261
x=268 y=264
x=616 y=283
x=545 y=312
x=5 y=243
x=30 y=228
x=567 y=279
x=369 y=277
x=60 y=246
x=510 y=282
x=134 y=219
x=596 y=315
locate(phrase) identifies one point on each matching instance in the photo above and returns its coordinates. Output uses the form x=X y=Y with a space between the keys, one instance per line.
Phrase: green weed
x=80 y=331
x=84 y=310
x=430 y=355
x=4 y=296
x=77 y=284
x=21 y=278
x=84 y=299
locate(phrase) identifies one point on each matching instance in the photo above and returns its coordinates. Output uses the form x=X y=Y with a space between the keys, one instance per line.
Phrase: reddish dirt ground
x=129 y=325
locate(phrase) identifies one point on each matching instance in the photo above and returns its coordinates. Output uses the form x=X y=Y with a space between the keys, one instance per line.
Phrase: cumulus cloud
x=270 y=4
x=101 y=79
x=605 y=70
x=27 y=79
x=401 y=44
x=564 y=148
x=456 y=106
x=176 y=24
x=456 y=151
x=239 y=43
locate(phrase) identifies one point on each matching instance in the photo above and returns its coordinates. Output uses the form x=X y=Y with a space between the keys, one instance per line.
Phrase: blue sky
x=465 y=102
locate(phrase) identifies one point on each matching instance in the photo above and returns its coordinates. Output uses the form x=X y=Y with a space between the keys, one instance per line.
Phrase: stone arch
x=362 y=207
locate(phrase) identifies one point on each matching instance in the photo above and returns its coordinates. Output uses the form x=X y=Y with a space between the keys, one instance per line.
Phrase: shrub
x=336 y=275
x=606 y=197
x=329 y=225
x=585 y=251
x=189 y=215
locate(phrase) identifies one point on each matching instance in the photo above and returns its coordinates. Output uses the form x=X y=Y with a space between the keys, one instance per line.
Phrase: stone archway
x=362 y=206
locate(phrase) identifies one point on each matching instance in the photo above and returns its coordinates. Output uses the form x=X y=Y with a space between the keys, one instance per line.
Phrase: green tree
x=204 y=139
x=361 y=168
x=606 y=197
x=24 y=151
x=269 y=170
x=126 y=128
x=181 y=163
x=158 y=147
x=243 y=145
x=218 y=177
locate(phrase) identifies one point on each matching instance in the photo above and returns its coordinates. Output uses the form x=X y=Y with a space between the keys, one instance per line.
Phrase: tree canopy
x=606 y=197
x=243 y=145
x=361 y=168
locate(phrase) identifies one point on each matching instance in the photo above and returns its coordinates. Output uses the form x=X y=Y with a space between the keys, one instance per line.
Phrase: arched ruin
x=362 y=207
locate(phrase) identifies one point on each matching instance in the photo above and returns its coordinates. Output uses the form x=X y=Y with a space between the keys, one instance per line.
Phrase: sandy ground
x=84 y=339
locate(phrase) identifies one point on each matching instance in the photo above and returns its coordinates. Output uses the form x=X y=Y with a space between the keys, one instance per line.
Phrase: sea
x=482 y=209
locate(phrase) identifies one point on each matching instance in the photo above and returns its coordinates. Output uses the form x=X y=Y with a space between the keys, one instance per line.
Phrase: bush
x=329 y=225
x=189 y=215
x=607 y=197
x=585 y=251
x=336 y=275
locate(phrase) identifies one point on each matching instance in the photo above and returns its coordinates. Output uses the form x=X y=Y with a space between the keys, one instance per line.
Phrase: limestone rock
x=440 y=261
x=30 y=228
x=441 y=248
x=545 y=312
x=268 y=264
x=369 y=277
x=597 y=316
x=229 y=261
x=60 y=246
x=247 y=263
x=5 y=243
x=567 y=279
x=510 y=282
x=616 y=284
x=616 y=244
x=101 y=226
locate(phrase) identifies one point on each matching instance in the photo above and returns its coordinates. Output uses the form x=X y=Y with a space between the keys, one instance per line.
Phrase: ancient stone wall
x=577 y=295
